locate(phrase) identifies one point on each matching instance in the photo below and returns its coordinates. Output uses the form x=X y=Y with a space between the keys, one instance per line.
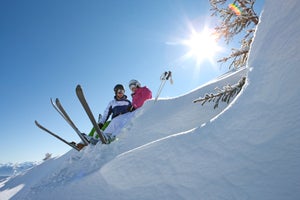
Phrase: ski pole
x=99 y=118
x=164 y=77
x=163 y=81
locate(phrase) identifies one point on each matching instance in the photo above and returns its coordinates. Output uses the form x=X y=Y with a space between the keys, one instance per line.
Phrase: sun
x=202 y=46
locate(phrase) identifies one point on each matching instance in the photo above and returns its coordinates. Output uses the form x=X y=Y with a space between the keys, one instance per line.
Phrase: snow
x=177 y=149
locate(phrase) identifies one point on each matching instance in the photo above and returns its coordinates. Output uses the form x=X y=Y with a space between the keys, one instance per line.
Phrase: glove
x=131 y=108
x=100 y=125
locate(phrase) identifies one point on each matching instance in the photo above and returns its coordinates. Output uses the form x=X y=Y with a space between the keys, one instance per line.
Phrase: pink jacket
x=140 y=96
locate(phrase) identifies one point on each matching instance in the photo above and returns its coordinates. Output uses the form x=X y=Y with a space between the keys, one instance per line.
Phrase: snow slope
x=175 y=149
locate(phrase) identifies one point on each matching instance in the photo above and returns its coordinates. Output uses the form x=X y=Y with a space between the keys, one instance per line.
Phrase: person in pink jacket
x=139 y=94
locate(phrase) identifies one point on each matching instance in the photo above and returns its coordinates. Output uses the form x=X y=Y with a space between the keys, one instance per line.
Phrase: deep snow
x=176 y=149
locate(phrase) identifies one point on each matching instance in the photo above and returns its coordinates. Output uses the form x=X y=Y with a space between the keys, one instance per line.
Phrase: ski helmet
x=134 y=83
x=118 y=87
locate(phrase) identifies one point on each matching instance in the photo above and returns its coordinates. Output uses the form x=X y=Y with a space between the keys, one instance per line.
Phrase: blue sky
x=48 y=47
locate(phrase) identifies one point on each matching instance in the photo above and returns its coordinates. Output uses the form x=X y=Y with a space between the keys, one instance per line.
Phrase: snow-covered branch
x=224 y=94
x=47 y=156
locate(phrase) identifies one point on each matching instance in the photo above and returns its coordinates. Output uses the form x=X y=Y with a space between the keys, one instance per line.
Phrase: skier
x=139 y=94
x=117 y=107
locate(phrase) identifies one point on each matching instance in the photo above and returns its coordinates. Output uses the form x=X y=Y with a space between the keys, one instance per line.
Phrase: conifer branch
x=224 y=94
x=232 y=25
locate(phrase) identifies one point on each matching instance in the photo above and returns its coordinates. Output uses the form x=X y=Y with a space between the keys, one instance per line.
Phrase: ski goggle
x=119 y=91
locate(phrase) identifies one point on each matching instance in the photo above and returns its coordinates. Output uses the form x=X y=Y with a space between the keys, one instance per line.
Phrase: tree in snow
x=236 y=17
x=47 y=156
x=224 y=94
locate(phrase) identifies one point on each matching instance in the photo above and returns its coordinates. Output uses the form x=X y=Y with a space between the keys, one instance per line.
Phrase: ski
x=78 y=147
x=59 y=108
x=88 y=111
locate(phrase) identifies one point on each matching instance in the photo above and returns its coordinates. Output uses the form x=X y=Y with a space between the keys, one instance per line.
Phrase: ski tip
x=78 y=87
x=57 y=101
x=36 y=123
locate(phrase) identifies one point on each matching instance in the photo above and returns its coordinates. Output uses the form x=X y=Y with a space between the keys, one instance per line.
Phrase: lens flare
x=235 y=9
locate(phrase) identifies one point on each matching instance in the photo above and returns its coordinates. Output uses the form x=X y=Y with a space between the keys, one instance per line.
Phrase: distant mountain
x=2 y=178
x=10 y=169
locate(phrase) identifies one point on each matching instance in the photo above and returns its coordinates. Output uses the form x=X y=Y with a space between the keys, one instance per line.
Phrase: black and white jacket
x=115 y=108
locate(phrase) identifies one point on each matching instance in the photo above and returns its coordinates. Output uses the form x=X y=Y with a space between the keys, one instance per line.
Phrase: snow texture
x=177 y=149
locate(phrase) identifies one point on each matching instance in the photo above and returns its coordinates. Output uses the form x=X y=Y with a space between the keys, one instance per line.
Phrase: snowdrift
x=175 y=149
